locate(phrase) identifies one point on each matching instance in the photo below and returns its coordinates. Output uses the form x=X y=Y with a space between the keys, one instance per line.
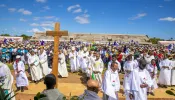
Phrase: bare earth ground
x=74 y=85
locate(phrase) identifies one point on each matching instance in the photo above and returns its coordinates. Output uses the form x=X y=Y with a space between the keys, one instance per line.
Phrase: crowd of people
x=144 y=66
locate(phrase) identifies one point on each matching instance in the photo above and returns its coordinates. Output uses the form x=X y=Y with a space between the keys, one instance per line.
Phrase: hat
x=73 y=48
x=85 y=49
x=18 y=56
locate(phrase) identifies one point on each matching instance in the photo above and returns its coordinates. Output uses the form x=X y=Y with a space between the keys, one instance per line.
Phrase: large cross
x=56 y=34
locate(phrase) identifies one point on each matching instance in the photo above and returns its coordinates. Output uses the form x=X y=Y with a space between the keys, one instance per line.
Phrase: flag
x=115 y=42
x=93 y=76
x=109 y=43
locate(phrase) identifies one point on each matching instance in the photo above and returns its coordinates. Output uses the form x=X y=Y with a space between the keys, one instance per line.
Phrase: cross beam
x=56 y=34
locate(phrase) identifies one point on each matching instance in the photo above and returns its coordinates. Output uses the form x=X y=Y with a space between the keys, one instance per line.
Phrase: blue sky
x=155 y=18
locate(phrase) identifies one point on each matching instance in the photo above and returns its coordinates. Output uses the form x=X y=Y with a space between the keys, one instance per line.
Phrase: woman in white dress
x=152 y=69
x=62 y=69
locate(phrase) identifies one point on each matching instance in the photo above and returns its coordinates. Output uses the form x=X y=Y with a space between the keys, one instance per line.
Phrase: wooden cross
x=56 y=34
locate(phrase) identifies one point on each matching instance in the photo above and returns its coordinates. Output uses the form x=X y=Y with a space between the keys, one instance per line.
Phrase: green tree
x=25 y=37
x=5 y=34
x=155 y=40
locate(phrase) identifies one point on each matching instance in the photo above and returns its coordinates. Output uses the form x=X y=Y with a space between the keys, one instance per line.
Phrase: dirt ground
x=74 y=85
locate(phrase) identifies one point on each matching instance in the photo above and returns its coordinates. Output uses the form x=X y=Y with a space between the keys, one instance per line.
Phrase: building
x=15 y=39
x=88 y=37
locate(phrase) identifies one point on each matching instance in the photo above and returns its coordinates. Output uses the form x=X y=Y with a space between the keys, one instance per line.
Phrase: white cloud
x=46 y=7
x=77 y=10
x=12 y=9
x=47 y=24
x=41 y=1
x=56 y=19
x=44 y=24
x=171 y=19
x=160 y=6
x=22 y=20
x=49 y=17
x=25 y=12
x=34 y=30
x=2 y=5
x=85 y=11
x=46 y=29
x=36 y=18
x=34 y=24
x=83 y=19
x=138 y=16
x=72 y=7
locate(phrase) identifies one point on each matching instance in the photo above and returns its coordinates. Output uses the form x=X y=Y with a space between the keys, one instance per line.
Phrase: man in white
x=152 y=69
x=21 y=78
x=165 y=72
x=84 y=63
x=149 y=57
x=43 y=61
x=6 y=78
x=173 y=72
x=97 y=68
x=140 y=81
x=111 y=83
x=114 y=59
x=128 y=68
x=35 y=69
x=89 y=65
x=73 y=60
x=62 y=69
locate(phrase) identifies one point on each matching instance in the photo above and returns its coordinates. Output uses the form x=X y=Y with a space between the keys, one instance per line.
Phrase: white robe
x=111 y=84
x=84 y=61
x=138 y=77
x=21 y=77
x=44 y=64
x=35 y=70
x=91 y=59
x=98 y=65
x=62 y=69
x=173 y=73
x=151 y=69
x=119 y=65
x=74 y=62
x=165 y=74
x=128 y=65
x=8 y=81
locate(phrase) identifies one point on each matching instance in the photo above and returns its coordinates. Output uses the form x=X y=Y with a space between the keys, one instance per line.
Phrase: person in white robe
x=84 y=61
x=128 y=68
x=97 y=68
x=62 y=69
x=165 y=72
x=152 y=69
x=21 y=77
x=74 y=63
x=140 y=81
x=6 y=79
x=111 y=83
x=80 y=58
x=173 y=72
x=43 y=61
x=40 y=69
x=33 y=62
x=114 y=59
x=89 y=65
x=149 y=57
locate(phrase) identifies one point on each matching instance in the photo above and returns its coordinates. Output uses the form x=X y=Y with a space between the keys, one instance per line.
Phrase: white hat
x=85 y=49
x=18 y=56
x=73 y=48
